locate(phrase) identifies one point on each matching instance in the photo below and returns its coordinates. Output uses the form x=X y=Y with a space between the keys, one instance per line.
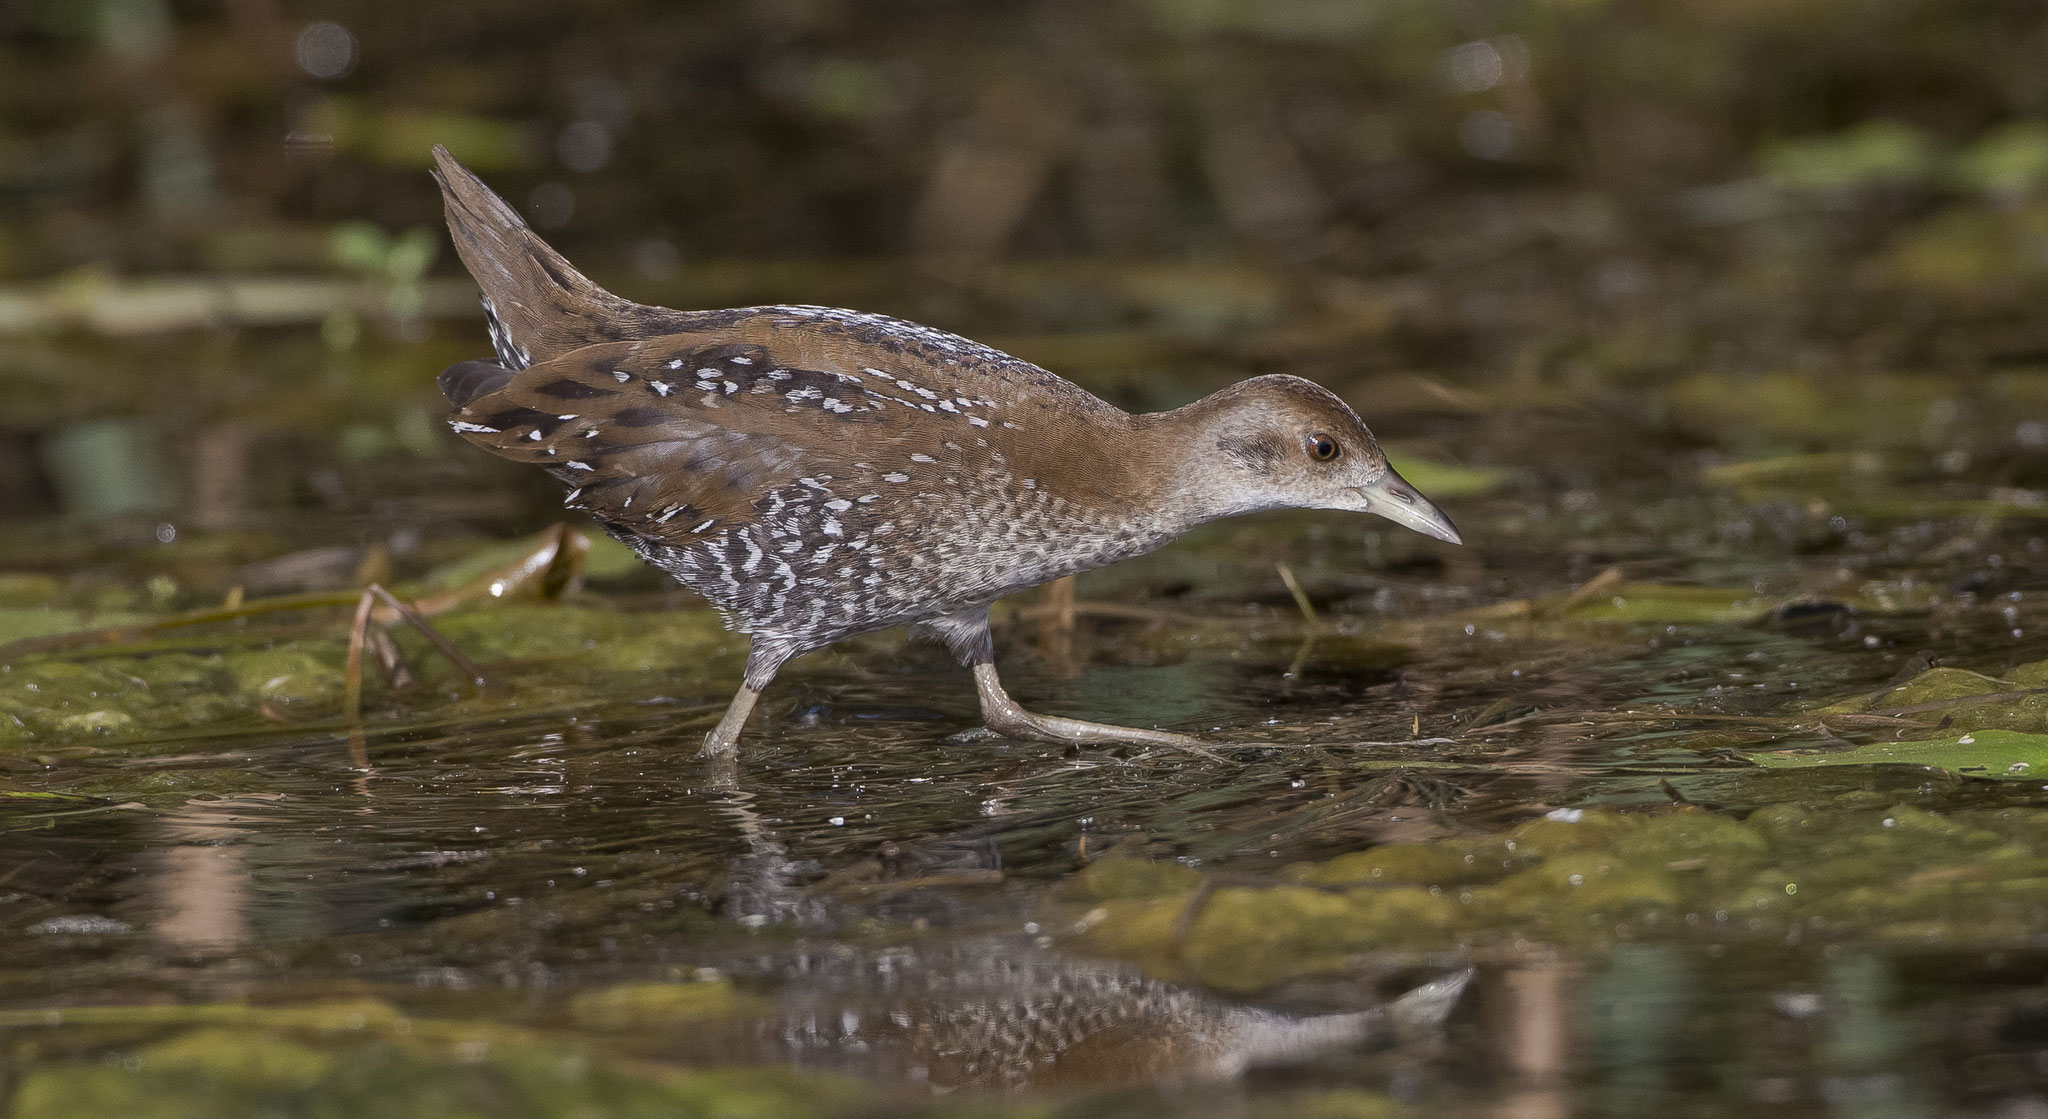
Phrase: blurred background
x=1717 y=325
x=224 y=288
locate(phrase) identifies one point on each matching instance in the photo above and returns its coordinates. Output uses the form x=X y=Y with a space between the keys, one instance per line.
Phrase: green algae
x=1990 y=726
x=251 y=1058
x=367 y=1056
x=596 y=639
x=632 y=1006
x=1993 y=726
x=242 y=680
x=1331 y=1103
x=1592 y=879
x=262 y=1075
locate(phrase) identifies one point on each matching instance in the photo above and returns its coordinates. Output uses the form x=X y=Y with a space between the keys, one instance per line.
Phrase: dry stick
x=566 y=547
x=1598 y=583
x=388 y=658
x=352 y=669
x=1301 y=655
x=113 y=634
x=352 y=672
x=555 y=562
x=1308 y=612
x=412 y=617
x=1311 y=624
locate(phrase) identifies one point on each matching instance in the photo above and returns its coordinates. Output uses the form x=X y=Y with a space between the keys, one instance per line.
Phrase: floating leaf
x=2006 y=754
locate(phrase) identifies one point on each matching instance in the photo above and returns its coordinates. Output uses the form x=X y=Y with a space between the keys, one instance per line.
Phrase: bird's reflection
x=1002 y=1015
x=998 y=1013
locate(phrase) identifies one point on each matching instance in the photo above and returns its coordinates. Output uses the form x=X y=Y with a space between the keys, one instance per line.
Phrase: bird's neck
x=1194 y=476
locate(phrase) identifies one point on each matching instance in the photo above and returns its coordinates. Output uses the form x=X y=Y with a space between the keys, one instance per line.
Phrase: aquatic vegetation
x=1841 y=873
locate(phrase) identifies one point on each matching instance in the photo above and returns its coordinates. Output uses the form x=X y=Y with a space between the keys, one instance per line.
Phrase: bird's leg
x=1006 y=716
x=764 y=660
x=725 y=737
x=967 y=635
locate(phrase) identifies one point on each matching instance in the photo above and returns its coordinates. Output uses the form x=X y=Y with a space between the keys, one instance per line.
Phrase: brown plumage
x=818 y=473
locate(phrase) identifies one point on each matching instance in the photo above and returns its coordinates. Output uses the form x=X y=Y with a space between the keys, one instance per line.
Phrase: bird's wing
x=688 y=433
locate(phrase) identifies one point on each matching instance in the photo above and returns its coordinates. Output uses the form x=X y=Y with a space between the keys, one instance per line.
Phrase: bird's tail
x=539 y=306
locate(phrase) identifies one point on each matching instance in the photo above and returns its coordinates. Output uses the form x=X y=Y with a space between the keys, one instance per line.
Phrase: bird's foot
x=1005 y=716
x=1019 y=723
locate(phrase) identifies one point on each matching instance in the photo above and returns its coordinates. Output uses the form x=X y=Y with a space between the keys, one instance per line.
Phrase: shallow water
x=220 y=893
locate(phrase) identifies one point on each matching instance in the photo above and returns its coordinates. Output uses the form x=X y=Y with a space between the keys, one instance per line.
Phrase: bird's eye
x=1322 y=447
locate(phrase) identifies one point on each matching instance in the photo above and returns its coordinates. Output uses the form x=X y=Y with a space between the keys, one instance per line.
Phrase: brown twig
x=412 y=618
x=1301 y=602
x=1598 y=584
x=117 y=634
x=352 y=668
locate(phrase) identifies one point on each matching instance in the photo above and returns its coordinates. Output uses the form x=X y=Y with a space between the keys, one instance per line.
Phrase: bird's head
x=1283 y=442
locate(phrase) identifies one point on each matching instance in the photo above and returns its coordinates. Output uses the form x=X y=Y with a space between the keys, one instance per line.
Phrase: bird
x=817 y=473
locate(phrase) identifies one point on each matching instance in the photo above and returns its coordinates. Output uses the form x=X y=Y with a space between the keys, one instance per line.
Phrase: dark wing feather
x=690 y=433
x=666 y=437
x=465 y=381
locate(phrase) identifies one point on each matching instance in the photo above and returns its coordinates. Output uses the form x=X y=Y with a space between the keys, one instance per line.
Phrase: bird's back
x=813 y=471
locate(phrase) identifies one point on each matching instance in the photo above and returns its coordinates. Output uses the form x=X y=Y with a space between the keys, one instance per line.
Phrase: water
x=537 y=893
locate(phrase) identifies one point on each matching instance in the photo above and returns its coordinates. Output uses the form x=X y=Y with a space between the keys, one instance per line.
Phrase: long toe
x=1019 y=723
x=1006 y=716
